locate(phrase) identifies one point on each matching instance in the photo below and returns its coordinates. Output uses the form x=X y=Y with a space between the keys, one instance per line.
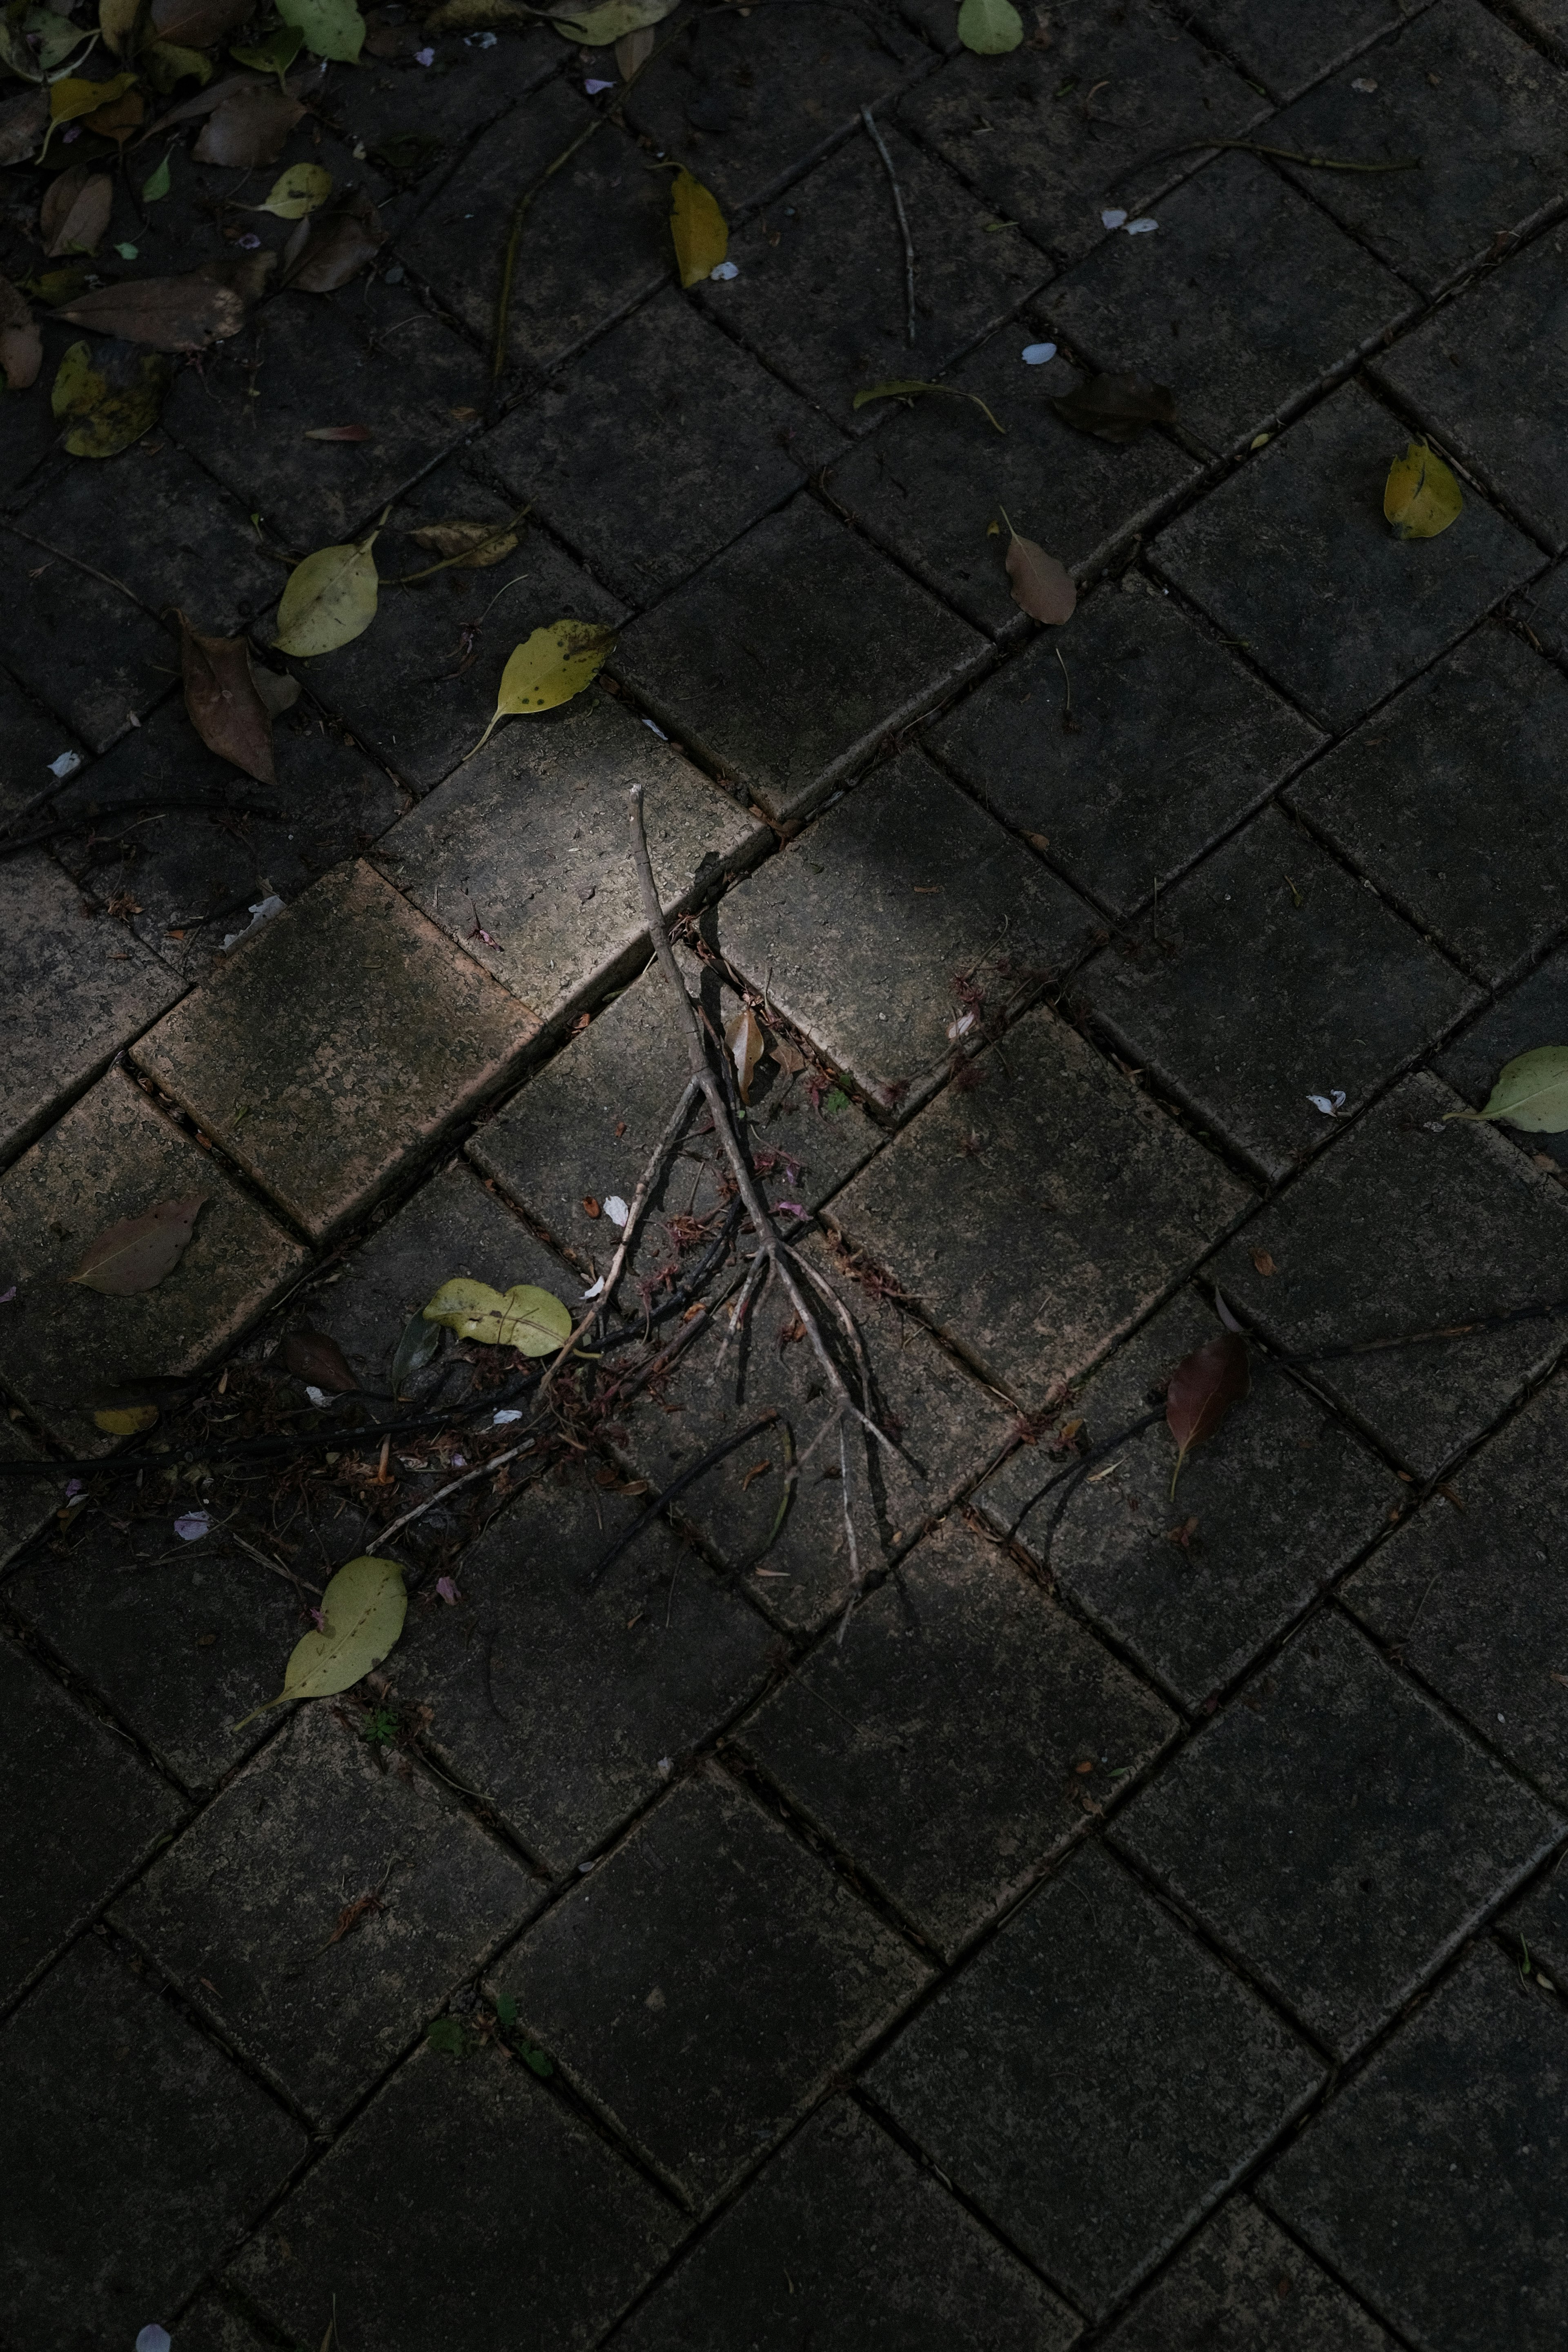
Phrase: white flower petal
x=1036 y=354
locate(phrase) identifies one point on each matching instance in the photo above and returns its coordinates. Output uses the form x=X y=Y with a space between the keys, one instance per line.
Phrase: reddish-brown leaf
x=21 y=344
x=136 y=1253
x=226 y=706
x=75 y=211
x=1042 y=584
x=172 y=314
x=1204 y=1387
x=312 y=1356
x=248 y=128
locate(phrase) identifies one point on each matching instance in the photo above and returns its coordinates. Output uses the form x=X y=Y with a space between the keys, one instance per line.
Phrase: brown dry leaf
x=136 y=1253
x=245 y=274
x=337 y=433
x=1042 y=584
x=1115 y=407
x=171 y=314
x=746 y=1045
x=633 y=51
x=21 y=344
x=199 y=24
x=474 y=546
x=790 y=1059
x=323 y=254
x=1204 y=1387
x=1263 y=1262
x=248 y=129
x=224 y=706
x=75 y=211
x=23 y=123
x=314 y=1357
x=204 y=102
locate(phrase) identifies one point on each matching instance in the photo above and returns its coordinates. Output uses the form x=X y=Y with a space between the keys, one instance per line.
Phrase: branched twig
x=903 y=217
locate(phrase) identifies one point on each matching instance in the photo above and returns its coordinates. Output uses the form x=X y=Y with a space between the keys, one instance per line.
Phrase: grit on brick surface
x=985 y=1880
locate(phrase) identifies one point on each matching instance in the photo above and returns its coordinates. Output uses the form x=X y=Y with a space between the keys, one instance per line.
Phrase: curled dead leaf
x=247 y=128
x=470 y=546
x=21 y=343
x=1117 y=408
x=323 y=254
x=75 y=211
x=1204 y=1387
x=1042 y=584
x=908 y=387
x=136 y=1253
x=316 y=1356
x=745 y=1045
x=224 y=704
x=171 y=314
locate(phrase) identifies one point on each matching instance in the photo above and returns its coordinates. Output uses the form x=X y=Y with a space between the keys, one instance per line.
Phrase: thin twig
x=846 y=1496
x=1280 y=155
x=64 y=555
x=496 y=1462
x=903 y=216
x=705 y=1462
x=277 y=1567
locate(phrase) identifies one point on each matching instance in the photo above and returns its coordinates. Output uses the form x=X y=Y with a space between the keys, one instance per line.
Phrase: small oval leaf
x=549 y=668
x=700 y=232
x=329 y=599
x=1042 y=584
x=990 y=27
x=1531 y=1093
x=125 y=1420
x=1421 y=497
x=362 y=1610
x=302 y=188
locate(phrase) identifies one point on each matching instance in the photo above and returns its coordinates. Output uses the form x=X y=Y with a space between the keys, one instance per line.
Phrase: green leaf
x=418 y=1344
x=834 y=1101
x=363 y=1611
x=155 y=186
x=1531 y=1093
x=531 y=1320
x=555 y=664
x=905 y=387
x=111 y=409
x=541 y=2065
x=275 y=55
x=166 y=64
x=302 y=188
x=331 y=28
x=329 y=599
x=1421 y=497
x=449 y=2035
x=990 y=27
x=506 y=2010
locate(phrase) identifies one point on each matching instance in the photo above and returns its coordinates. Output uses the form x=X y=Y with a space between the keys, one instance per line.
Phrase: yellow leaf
x=296 y=192
x=552 y=666
x=108 y=415
x=700 y=232
x=363 y=1611
x=1421 y=497
x=532 y=1321
x=70 y=98
x=126 y=1420
x=745 y=1043
x=329 y=599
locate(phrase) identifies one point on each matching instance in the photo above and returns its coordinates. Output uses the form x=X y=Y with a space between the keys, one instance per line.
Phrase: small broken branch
x=881 y=148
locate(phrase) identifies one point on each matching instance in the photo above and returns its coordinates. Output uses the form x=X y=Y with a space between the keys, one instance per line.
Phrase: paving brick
x=1336 y=1833
x=476 y=855
x=366 y=355
x=1172 y=743
x=105 y=1812
x=412 y=119
x=746 y=104
x=596 y=240
x=1484 y=112
x=944 y=1744
x=1055 y=1204
x=1471 y=1601
x=1270 y=1509
x=865 y=931
x=1285 y=44
x=134 y=2150
x=644 y=1662
x=705 y=1983
x=1543 y=1920
x=404 y=2219
x=1548 y=20
x=930 y=484
x=760 y=662
x=1292 y=557
x=1033 y=140
x=114 y=1156
x=1094 y=2082
x=847 y=2246
x=1437 y=2185
x=420 y=685
x=33 y=431
x=345 y=1037
x=1449 y=801
x=1410 y=1224
x=584 y=1126
x=26 y=1504
x=185 y=872
x=821 y=288
x=1243 y=302
x=645 y=495
x=1534 y=1012
x=1244 y=2286
x=1507 y=423
x=243 y=1913
x=180 y=1647
x=1543 y=608
x=213 y=2325
x=31 y=740
x=88 y=988
x=1270 y=975
x=948 y=1426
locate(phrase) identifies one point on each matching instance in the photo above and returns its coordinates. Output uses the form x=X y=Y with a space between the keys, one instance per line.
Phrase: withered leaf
x=136 y=1253
x=118 y=118
x=1204 y=1387
x=1042 y=584
x=75 y=211
x=24 y=121
x=1115 y=407
x=472 y=546
x=315 y=1357
x=224 y=706
x=107 y=407
x=199 y=24
x=171 y=314
x=325 y=254
x=745 y=1045
x=248 y=128
x=337 y=433
x=279 y=690
x=21 y=344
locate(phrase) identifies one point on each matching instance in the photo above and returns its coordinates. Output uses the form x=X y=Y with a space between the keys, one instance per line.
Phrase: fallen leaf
x=329 y=599
x=118 y=119
x=362 y=1610
x=990 y=27
x=113 y=404
x=420 y=1342
x=247 y=129
x=549 y=668
x=746 y=1045
x=1042 y=584
x=331 y=28
x=324 y=255
x=316 y=1356
x=136 y=1253
x=302 y=188
x=24 y=126
x=903 y=388
x=199 y=24
x=1421 y=497
x=633 y=51
x=165 y=65
x=700 y=232
x=125 y=1420
x=1204 y=1387
x=75 y=211
x=473 y=545
x=337 y=433
x=616 y=1210
x=1116 y=408
x=276 y=54
x=474 y=16
x=1263 y=1263
x=21 y=342
x=171 y=314
x=71 y=98
x=610 y=20
x=155 y=186
x=527 y=1319
x=116 y=23
x=224 y=703
x=1531 y=1093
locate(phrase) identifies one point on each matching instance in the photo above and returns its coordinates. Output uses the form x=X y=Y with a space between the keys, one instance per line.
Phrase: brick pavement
x=1143 y=1927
